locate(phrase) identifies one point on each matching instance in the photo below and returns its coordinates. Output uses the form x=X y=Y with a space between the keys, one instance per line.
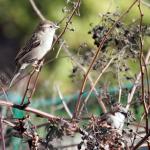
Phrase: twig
x=8 y=123
x=29 y=109
x=141 y=141
x=5 y=93
x=36 y=79
x=141 y=66
x=131 y=94
x=104 y=110
x=6 y=97
x=1 y=133
x=138 y=125
x=95 y=57
x=119 y=82
x=64 y=103
x=59 y=49
x=25 y=133
x=65 y=28
x=142 y=71
x=39 y=14
x=36 y=69
x=70 y=126
x=67 y=22
x=27 y=87
x=147 y=79
x=94 y=84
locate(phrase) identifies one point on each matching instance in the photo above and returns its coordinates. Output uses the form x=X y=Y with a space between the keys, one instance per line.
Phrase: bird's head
x=47 y=25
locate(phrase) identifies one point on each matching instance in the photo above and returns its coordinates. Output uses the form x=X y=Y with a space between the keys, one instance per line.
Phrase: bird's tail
x=14 y=78
x=17 y=73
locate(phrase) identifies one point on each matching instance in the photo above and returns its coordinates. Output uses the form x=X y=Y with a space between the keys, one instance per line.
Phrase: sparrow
x=116 y=117
x=35 y=48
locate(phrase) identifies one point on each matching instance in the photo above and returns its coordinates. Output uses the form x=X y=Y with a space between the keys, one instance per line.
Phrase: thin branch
x=95 y=57
x=137 y=129
x=67 y=22
x=141 y=65
x=38 y=70
x=8 y=123
x=29 y=109
x=131 y=94
x=1 y=133
x=57 y=38
x=27 y=87
x=104 y=110
x=59 y=49
x=24 y=134
x=37 y=11
x=98 y=78
x=64 y=103
x=141 y=141
x=147 y=79
x=6 y=97
x=5 y=93
x=119 y=82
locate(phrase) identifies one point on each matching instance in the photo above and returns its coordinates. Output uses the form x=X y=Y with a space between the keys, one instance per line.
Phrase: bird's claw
x=37 y=65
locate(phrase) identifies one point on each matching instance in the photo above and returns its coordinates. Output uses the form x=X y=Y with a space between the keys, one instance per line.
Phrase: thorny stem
x=94 y=59
x=141 y=68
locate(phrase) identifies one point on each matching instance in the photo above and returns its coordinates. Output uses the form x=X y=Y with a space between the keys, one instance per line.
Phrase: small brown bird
x=36 y=47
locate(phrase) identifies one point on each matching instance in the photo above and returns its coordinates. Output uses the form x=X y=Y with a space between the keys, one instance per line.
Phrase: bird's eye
x=51 y=26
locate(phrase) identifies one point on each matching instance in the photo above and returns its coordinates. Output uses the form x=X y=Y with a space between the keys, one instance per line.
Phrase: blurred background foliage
x=17 y=21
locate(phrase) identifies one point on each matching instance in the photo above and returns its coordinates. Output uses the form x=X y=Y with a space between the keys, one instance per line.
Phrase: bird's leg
x=39 y=66
x=24 y=105
x=37 y=69
x=35 y=63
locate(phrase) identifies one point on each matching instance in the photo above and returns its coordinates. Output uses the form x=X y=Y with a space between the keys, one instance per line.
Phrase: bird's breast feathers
x=45 y=45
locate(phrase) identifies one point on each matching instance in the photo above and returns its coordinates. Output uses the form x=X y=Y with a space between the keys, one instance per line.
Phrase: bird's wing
x=32 y=43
